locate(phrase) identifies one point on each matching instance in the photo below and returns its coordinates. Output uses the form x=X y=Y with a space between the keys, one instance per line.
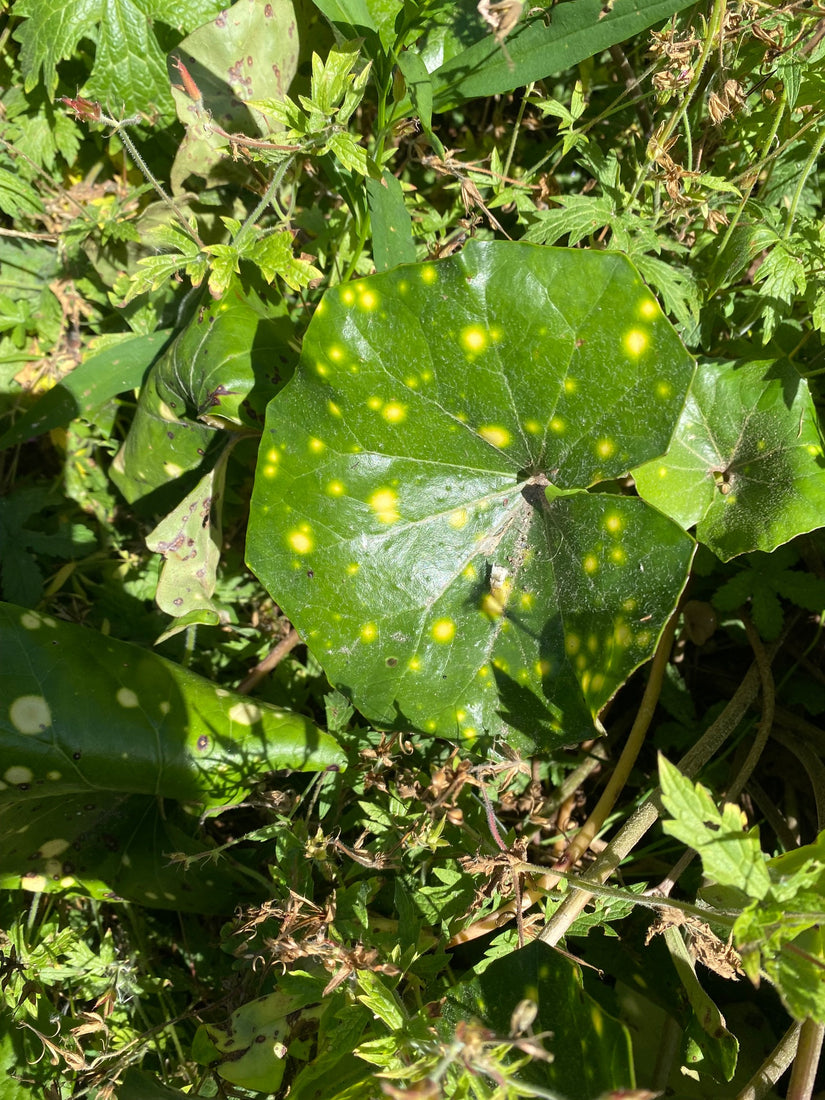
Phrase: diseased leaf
x=402 y=476
x=746 y=464
x=94 y=733
x=250 y=52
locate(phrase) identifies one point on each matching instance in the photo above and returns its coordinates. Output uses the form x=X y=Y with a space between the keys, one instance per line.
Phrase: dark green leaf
x=544 y=44
x=576 y=1024
x=401 y=484
x=129 y=73
x=220 y=371
x=392 y=242
x=117 y=368
x=88 y=714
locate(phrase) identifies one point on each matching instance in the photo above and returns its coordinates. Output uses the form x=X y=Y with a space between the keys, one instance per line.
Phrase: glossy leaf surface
x=87 y=713
x=95 y=732
x=746 y=463
x=220 y=372
x=544 y=43
x=420 y=508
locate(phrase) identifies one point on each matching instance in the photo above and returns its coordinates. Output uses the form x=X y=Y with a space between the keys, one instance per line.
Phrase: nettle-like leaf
x=421 y=507
x=94 y=732
x=129 y=72
x=220 y=371
x=746 y=464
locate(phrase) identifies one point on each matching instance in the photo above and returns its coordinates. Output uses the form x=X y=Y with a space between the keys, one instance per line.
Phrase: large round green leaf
x=420 y=507
x=746 y=463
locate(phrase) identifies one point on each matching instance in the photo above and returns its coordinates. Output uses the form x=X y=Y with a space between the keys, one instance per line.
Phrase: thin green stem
x=806 y=171
x=516 y=128
x=753 y=176
x=131 y=148
x=265 y=200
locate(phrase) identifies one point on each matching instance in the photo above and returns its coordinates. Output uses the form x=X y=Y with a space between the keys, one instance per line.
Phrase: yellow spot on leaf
x=572 y=644
x=17 y=773
x=635 y=341
x=245 y=714
x=352 y=568
x=333 y=408
x=526 y=601
x=368 y=299
x=270 y=471
x=590 y=563
x=570 y=385
x=368 y=632
x=443 y=630
x=474 y=338
x=495 y=434
x=321 y=369
x=348 y=296
x=394 y=412
x=458 y=519
x=429 y=275
x=127 y=698
x=374 y=403
x=618 y=556
x=613 y=523
x=335 y=353
x=469 y=572
x=384 y=503
x=336 y=488
x=557 y=425
x=414 y=664
x=542 y=669
x=664 y=390
x=316 y=445
x=605 y=448
x=533 y=427
x=300 y=542
x=647 y=308
x=411 y=382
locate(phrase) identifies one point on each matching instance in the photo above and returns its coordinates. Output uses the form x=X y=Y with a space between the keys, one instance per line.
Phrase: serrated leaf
x=401 y=482
x=730 y=856
x=129 y=72
x=746 y=464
